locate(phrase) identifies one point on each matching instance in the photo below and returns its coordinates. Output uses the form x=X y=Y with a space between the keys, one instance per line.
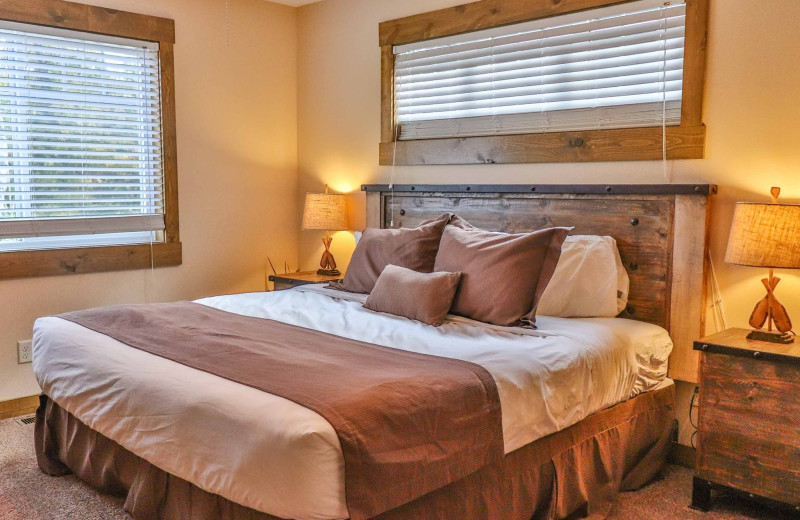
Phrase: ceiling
x=294 y=3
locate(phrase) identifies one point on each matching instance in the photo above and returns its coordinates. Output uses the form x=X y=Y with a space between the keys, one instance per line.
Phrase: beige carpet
x=28 y=494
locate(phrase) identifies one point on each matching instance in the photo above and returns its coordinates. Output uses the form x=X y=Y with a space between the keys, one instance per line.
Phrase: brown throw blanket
x=408 y=423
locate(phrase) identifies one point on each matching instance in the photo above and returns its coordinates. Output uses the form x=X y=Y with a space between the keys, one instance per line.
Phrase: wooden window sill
x=51 y=262
x=625 y=144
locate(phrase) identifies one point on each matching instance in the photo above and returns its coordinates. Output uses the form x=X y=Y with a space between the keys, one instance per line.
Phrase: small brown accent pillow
x=424 y=297
x=412 y=248
x=503 y=274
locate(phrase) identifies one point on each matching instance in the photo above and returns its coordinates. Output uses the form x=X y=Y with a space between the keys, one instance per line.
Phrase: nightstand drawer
x=749 y=436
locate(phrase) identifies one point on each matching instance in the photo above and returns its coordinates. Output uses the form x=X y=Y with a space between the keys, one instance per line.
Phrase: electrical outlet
x=24 y=351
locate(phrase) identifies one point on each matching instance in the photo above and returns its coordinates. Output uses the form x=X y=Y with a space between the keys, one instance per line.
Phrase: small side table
x=289 y=280
x=748 y=438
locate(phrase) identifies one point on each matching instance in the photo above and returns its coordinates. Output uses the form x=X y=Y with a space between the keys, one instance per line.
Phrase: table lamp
x=328 y=212
x=768 y=236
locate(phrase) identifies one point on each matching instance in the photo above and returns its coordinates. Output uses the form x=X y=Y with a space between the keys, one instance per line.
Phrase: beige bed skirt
x=573 y=473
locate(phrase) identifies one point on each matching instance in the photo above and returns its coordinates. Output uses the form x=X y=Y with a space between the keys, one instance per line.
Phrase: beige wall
x=751 y=112
x=237 y=164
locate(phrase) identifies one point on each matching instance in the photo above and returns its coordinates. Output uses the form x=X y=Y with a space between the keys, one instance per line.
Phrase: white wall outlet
x=24 y=351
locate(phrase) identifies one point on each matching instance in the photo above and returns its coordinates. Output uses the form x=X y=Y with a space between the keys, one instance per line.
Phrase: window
x=88 y=178
x=609 y=68
x=532 y=90
x=80 y=140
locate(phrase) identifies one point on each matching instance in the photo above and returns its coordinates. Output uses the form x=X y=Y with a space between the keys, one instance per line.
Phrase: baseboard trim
x=18 y=407
x=682 y=455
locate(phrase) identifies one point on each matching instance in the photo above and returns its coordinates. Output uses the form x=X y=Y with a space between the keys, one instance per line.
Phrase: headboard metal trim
x=661 y=230
x=586 y=189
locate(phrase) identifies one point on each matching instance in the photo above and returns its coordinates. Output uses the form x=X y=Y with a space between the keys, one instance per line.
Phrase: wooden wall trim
x=694 y=62
x=575 y=189
x=18 y=407
x=88 y=18
x=686 y=141
x=624 y=144
x=169 y=142
x=475 y=16
x=387 y=94
x=21 y=264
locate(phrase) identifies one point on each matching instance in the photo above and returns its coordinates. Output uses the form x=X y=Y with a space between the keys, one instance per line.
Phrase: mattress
x=275 y=456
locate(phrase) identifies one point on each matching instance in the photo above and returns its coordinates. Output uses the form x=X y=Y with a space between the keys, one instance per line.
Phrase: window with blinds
x=80 y=140
x=610 y=67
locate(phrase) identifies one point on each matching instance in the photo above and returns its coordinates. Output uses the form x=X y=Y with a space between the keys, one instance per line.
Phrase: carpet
x=28 y=494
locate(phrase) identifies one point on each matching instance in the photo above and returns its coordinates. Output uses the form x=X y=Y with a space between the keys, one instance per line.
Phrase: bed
x=587 y=408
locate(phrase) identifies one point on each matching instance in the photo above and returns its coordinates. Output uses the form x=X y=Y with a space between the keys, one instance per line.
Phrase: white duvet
x=275 y=456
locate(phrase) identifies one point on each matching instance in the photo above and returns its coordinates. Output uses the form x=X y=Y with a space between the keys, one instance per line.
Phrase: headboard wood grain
x=661 y=231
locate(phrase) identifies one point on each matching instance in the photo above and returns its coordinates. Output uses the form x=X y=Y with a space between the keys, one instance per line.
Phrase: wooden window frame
x=110 y=22
x=685 y=141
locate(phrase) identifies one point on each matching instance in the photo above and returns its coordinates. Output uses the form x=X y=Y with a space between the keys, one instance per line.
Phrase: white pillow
x=589 y=280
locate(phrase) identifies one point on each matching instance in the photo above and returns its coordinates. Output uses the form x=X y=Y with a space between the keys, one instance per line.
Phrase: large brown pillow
x=424 y=297
x=503 y=274
x=412 y=248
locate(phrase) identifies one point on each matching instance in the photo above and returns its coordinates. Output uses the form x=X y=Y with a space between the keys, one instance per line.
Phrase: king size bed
x=360 y=414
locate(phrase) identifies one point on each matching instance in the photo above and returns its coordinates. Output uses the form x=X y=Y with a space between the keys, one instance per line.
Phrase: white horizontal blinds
x=80 y=134
x=612 y=67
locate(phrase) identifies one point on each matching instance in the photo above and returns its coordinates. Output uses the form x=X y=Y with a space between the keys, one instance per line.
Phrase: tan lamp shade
x=765 y=235
x=325 y=211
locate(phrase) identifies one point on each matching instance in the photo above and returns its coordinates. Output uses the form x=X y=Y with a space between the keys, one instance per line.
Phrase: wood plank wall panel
x=645 y=248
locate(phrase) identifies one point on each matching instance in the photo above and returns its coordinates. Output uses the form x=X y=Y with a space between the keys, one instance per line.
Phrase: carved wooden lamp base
x=784 y=338
x=771 y=312
x=327 y=263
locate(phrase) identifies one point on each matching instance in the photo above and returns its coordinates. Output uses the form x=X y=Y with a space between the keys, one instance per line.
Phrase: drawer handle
x=756 y=355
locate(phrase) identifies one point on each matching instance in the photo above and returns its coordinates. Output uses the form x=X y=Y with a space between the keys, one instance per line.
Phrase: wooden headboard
x=661 y=231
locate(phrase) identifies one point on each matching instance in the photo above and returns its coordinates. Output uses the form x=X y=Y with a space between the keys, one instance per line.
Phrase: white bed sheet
x=275 y=456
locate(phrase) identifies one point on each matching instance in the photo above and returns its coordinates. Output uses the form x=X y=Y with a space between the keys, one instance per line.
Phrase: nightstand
x=289 y=280
x=749 y=419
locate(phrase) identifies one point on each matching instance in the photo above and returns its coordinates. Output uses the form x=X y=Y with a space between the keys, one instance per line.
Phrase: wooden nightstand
x=749 y=419
x=289 y=280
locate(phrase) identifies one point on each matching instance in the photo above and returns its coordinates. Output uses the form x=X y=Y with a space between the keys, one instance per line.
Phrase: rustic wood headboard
x=661 y=231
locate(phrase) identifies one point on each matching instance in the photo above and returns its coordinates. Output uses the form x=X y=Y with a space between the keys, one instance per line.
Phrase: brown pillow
x=503 y=274
x=424 y=297
x=413 y=248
